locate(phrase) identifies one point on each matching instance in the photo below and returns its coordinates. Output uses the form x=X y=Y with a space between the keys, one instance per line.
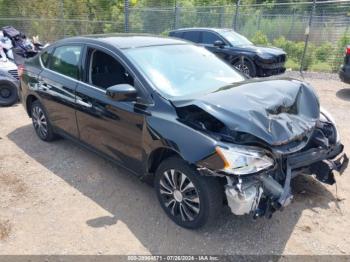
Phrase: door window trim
x=90 y=65
x=71 y=78
x=139 y=87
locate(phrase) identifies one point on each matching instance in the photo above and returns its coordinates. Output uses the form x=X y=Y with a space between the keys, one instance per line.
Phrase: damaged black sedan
x=173 y=112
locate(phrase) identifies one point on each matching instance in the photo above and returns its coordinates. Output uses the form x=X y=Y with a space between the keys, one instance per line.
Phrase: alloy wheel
x=179 y=195
x=243 y=68
x=39 y=121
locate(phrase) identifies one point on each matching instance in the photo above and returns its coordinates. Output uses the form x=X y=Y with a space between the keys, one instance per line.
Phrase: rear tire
x=41 y=122
x=189 y=199
x=8 y=93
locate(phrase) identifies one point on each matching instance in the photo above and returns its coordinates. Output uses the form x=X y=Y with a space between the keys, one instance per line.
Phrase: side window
x=65 y=60
x=191 y=36
x=45 y=57
x=209 y=38
x=105 y=71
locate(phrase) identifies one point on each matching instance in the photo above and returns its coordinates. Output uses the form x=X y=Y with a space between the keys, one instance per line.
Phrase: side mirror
x=219 y=43
x=122 y=92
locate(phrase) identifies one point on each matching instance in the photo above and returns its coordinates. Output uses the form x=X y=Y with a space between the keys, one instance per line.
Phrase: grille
x=14 y=73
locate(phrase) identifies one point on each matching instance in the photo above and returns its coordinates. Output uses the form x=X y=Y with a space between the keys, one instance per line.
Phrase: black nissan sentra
x=174 y=113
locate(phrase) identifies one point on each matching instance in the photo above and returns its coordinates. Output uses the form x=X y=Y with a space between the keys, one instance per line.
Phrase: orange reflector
x=20 y=70
x=221 y=155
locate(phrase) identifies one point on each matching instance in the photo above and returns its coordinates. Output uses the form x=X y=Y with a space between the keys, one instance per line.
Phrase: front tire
x=189 y=199
x=245 y=66
x=41 y=122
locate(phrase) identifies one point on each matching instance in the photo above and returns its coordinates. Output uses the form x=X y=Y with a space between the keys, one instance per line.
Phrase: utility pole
x=126 y=16
x=235 y=20
x=176 y=15
x=307 y=35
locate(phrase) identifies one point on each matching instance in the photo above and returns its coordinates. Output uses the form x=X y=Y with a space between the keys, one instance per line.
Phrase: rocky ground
x=57 y=198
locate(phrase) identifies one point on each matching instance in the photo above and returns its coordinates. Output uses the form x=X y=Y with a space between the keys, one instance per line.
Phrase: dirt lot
x=56 y=198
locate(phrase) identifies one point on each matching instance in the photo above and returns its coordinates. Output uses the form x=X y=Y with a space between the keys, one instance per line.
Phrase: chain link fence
x=314 y=34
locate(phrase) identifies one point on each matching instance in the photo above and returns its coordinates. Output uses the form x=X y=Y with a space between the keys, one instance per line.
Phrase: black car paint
x=133 y=134
x=139 y=134
x=273 y=64
x=344 y=72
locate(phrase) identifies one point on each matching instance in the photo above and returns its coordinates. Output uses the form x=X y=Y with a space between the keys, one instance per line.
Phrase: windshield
x=182 y=71
x=235 y=39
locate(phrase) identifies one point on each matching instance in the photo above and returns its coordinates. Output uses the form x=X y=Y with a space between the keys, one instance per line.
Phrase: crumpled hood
x=276 y=111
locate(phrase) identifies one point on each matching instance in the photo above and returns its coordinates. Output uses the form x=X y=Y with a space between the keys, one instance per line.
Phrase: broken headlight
x=326 y=116
x=242 y=160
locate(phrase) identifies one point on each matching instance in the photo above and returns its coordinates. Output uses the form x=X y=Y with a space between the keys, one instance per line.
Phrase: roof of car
x=128 y=40
x=203 y=28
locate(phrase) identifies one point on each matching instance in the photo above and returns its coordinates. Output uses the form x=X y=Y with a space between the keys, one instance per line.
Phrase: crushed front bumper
x=264 y=193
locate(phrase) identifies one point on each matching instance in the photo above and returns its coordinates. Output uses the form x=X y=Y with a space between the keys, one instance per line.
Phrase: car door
x=112 y=127
x=58 y=83
x=208 y=39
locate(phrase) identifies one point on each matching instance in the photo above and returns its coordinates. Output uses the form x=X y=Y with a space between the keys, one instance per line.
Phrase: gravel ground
x=57 y=198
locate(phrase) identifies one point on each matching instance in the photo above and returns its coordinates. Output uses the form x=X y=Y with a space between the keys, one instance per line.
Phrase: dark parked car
x=237 y=50
x=173 y=112
x=344 y=72
x=9 y=83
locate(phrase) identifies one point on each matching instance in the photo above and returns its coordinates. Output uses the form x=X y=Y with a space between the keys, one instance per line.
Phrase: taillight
x=20 y=70
x=347 y=50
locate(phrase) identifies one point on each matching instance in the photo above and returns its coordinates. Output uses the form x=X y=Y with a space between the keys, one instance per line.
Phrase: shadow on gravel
x=344 y=94
x=134 y=203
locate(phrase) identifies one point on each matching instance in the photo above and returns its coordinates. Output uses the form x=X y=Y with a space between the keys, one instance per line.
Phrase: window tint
x=45 y=57
x=65 y=60
x=209 y=38
x=191 y=36
x=106 y=71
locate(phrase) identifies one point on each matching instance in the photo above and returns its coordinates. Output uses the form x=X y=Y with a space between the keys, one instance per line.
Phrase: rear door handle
x=42 y=84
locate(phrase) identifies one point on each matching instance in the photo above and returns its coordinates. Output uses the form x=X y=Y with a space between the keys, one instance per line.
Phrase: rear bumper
x=344 y=74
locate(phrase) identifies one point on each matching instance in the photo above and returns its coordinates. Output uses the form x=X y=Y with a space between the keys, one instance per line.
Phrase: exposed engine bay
x=266 y=141
x=266 y=192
